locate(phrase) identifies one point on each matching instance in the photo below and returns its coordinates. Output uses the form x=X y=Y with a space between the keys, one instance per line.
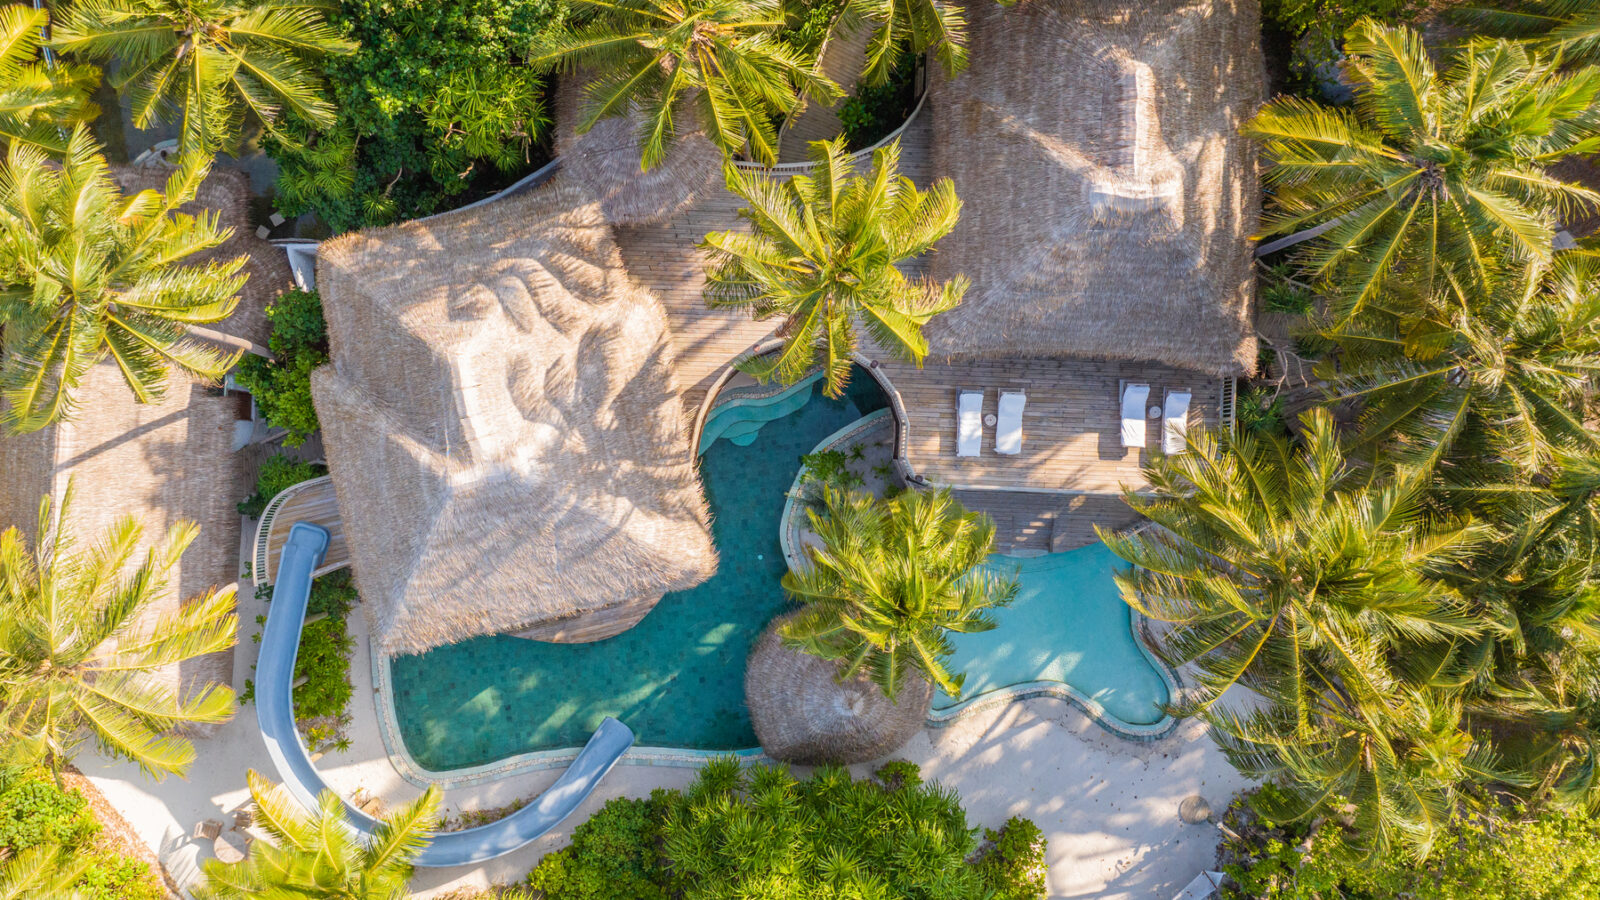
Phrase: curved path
x=280 y=642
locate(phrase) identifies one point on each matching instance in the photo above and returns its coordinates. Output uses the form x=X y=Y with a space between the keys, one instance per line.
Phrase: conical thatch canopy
x=801 y=714
x=1108 y=196
x=606 y=161
x=502 y=426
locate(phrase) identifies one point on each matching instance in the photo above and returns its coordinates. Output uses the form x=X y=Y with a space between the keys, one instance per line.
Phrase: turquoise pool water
x=740 y=421
x=676 y=678
x=1068 y=625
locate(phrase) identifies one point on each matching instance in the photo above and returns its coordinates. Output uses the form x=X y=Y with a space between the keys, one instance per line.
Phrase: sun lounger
x=969 y=423
x=1175 y=422
x=1008 y=430
x=1134 y=398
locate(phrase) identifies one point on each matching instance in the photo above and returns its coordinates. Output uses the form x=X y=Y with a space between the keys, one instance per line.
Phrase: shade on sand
x=605 y=159
x=1108 y=196
x=502 y=426
x=802 y=713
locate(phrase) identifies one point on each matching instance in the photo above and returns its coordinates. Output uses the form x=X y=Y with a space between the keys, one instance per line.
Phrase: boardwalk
x=309 y=501
x=1070 y=425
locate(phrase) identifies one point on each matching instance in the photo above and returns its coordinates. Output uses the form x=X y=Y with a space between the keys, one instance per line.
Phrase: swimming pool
x=1067 y=633
x=676 y=678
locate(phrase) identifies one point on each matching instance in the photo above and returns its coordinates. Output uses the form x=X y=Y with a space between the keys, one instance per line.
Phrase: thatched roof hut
x=165 y=461
x=802 y=714
x=606 y=161
x=502 y=426
x=1108 y=196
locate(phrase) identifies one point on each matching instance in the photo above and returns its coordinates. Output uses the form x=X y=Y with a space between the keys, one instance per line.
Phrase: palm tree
x=1568 y=27
x=712 y=62
x=1280 y=569
x=87 y=273
x=316 y=855
x=206 y=62
x=891 y=579
x=1428 y=164
x=1501 y=371
x=80 y=655
x=42 y=871
x=898 y=26
x=823 y=255
x=39 y=103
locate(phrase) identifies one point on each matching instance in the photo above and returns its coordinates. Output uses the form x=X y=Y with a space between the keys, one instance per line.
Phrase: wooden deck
x=1048 y=523
x=1070 y=426
x=310 y=501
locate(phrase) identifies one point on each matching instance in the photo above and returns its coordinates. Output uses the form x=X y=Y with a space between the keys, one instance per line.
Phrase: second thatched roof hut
x=1108 y=195
x=502 y=426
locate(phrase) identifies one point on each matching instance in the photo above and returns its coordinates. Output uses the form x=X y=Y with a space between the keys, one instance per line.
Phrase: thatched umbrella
x=502 y=426
x=606 y=161
x=1108 y=200
x=803 y=714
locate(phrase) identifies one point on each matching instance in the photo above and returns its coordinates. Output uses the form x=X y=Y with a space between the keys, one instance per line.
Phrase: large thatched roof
x=801 y=713
x=502 y=426
x=166 y=461
x=1108 y=195
x=606 y=161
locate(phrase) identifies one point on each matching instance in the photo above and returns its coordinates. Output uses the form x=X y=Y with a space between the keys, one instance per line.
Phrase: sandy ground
x=1108 y=806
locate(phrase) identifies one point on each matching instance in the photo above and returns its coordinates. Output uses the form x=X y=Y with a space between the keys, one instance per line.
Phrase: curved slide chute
x=280 y=642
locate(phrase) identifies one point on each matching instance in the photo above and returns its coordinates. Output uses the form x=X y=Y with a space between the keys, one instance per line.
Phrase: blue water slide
x=280 y=642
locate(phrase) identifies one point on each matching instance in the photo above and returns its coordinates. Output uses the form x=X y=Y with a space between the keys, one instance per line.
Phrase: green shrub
x=113 y=877
x=282 y=386
x=761 y=832
x=874 y=112
x=34 y=811
x=1334 y=17
x=1509 y=853
x=1013 y=866
x=278 y=474
x=435 y=109
x=807 y=23
x=324 y=657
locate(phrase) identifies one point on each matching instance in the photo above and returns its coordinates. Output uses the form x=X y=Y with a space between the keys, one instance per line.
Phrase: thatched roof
x=1108 y=196
x=163 y=462
x=501 y=424
x=802 y=714
x=606 y=161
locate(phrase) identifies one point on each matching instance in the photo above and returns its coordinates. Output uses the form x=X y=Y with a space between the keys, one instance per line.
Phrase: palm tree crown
x=208 y=61
x=668 y=60
x=86 y=272
x=78 y=654
x=1568 y=27
x=39 y=103
x=316 y=855
x=1506 y=368
x=822 y=255
x=920 y=26
x=890 y=580
x=1429 y=164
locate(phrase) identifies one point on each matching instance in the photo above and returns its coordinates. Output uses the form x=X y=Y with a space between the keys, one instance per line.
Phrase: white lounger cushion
x=1134 y=398
x=1175 y=422
x=969 y=423
x=1008 y=430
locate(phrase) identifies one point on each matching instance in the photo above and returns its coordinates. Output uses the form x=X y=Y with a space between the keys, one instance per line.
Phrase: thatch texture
x=1108 y=196
x=502 y=426
x=606 y=161
x=802 y=714
x=163 y=462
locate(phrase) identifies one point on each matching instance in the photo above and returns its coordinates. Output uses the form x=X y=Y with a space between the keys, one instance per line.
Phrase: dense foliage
x=39 y=104
x=874 y=111
x=281 y=386
x=762 y=832
x=1508 y=856
x=435 y=108
x=87 y=273
x=325 y=648
x=278 y=473
x=39 y=816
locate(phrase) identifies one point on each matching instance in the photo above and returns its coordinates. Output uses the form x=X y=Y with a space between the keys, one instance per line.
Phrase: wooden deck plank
x=317 y=504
